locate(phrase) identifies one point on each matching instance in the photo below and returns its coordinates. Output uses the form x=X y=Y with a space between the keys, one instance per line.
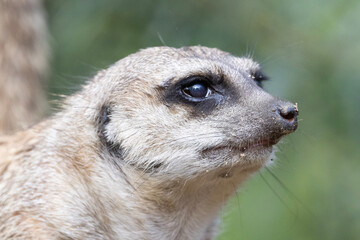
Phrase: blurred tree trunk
x=23 y=63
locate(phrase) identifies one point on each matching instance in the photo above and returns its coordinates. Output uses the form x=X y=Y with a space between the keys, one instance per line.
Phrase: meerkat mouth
x=262 y=143
x=254 y=145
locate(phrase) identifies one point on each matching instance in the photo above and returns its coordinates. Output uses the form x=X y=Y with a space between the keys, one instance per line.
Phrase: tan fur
x=23 y=63
x=59 y=180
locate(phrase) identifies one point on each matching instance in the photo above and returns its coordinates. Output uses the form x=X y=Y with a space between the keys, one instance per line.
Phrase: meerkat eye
x=197 y=90
x=258 y=77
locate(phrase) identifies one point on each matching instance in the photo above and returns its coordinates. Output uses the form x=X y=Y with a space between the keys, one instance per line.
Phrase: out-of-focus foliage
x=311 y=51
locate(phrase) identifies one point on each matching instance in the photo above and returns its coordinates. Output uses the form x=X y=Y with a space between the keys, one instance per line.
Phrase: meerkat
x=151 y=148
x=23 y=64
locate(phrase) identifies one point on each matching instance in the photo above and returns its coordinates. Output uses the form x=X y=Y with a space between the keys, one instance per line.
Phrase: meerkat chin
x=151 y=148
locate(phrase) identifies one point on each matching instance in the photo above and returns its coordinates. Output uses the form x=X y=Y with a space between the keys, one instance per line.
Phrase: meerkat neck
x=173 y=209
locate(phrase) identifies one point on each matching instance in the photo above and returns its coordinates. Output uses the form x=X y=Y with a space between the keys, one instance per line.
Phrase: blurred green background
x=311 y=51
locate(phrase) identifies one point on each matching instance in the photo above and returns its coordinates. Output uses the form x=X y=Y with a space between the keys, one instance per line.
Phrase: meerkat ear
x=104 y=118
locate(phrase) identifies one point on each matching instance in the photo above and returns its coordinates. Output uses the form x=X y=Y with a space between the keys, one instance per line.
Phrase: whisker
x=161 y=39
x=289 y=191
x=238 y=204
x=277 y=194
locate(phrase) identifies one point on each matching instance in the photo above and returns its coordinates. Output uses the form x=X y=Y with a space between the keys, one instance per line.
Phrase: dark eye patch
x=258 y=77
x=202 y=93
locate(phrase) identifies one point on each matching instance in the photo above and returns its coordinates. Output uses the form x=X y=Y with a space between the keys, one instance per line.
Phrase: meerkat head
x=189 y=111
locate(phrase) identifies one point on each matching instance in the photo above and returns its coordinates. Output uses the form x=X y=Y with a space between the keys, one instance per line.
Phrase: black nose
x=288 y=113
x=288 y=116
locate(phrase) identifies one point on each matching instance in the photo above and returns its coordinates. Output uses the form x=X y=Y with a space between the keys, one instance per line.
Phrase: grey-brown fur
x=23 y=63
x=124 y=160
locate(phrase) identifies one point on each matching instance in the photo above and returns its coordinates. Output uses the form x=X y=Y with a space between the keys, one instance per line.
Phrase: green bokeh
x=311 y=51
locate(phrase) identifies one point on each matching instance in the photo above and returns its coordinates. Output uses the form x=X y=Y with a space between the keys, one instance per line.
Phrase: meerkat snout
x=288 y=113
x=288 y=116
x=283 y=120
